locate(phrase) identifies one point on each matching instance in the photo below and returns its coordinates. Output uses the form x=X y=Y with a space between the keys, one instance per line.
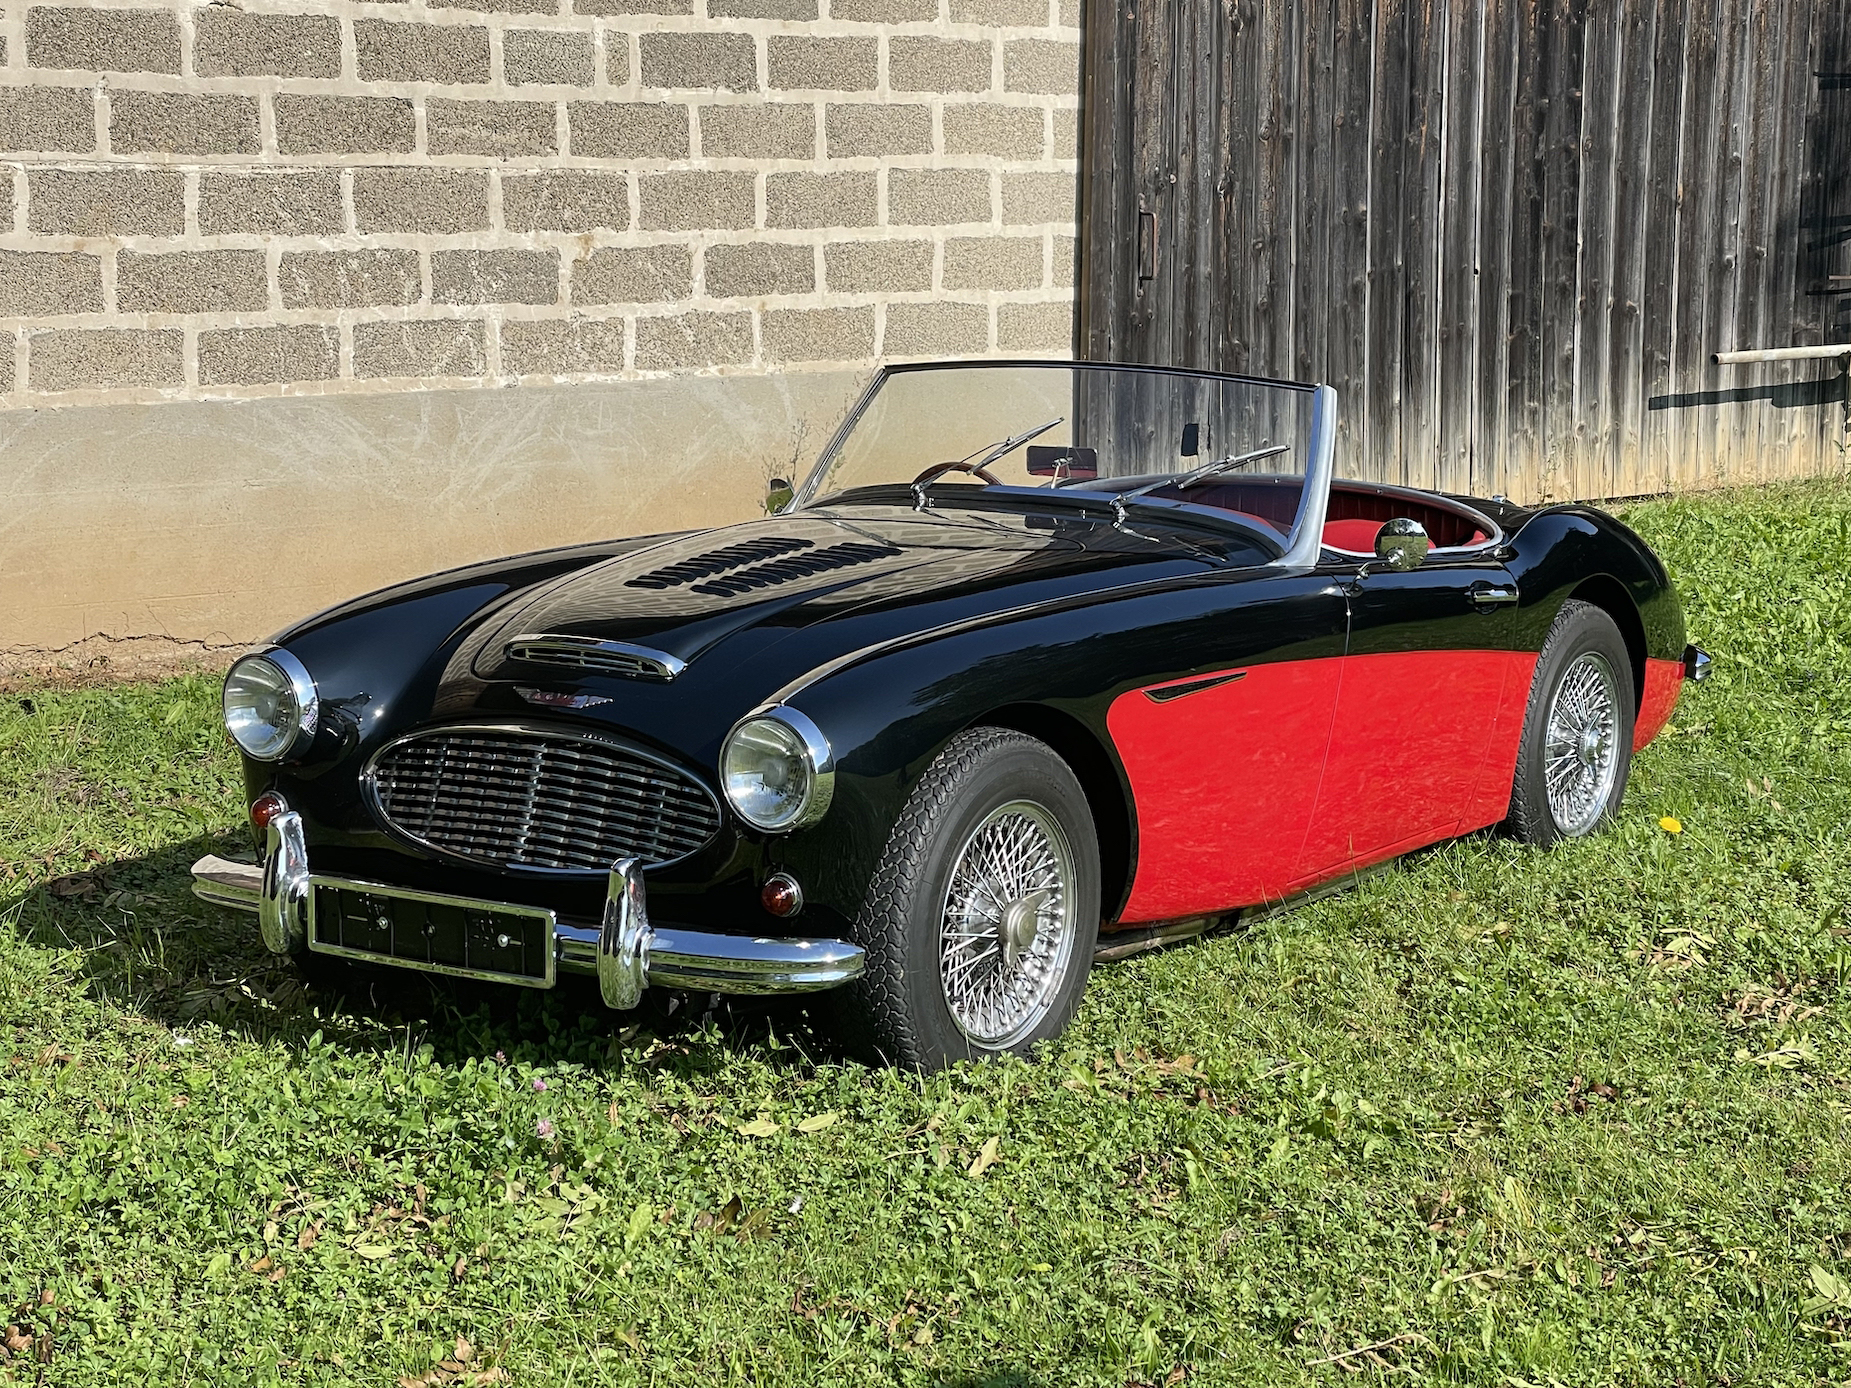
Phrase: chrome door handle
x=1488 y=596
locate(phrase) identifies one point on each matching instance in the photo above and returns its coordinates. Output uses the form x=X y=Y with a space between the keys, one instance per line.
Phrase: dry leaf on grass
x=986 y=1158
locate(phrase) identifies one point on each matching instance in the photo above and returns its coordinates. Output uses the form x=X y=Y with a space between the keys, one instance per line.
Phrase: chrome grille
x=513 y=797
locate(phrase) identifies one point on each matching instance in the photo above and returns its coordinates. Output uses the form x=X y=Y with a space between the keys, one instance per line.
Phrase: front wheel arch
x=1100 y=777
x=1611 y=597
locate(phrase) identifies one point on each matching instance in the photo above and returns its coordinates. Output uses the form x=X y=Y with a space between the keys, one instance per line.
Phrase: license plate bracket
x=461 y=937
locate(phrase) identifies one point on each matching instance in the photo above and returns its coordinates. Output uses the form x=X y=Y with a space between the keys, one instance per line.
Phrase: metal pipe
x=1837 y=349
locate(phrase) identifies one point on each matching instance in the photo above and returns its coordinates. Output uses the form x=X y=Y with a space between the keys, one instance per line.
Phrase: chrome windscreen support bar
x=282 y=901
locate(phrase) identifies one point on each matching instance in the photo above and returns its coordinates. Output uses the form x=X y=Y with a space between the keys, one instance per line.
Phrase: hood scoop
x=588 y=655
x=795 y=566
x=701 y=566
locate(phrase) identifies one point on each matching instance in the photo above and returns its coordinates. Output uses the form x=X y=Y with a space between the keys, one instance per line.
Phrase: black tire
x=1584 y=639
x=897 y=1012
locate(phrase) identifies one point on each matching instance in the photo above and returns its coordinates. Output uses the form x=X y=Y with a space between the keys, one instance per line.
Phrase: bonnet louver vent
x=794 y=566
x=718 y=562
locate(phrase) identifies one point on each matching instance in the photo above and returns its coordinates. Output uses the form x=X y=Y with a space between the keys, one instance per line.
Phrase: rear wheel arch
x=1107 y=795
x=1611 y=597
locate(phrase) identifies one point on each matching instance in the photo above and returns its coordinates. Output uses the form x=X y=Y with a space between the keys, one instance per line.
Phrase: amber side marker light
x=267 y=807
x=781 y=895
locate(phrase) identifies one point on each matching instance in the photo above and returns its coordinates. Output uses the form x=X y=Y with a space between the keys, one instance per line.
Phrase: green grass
x=1575 y=1117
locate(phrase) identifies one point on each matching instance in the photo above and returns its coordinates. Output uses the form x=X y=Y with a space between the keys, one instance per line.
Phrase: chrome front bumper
x=625 y=951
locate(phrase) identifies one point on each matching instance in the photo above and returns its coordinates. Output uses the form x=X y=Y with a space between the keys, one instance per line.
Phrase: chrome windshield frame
x=1302 y=545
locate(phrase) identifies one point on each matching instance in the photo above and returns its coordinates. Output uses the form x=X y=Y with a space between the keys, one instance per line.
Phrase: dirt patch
x=102 y=659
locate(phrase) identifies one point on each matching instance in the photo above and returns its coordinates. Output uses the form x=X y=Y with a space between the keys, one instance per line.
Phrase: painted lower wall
x=215 y=523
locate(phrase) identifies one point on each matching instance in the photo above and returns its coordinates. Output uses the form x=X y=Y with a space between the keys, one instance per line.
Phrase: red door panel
x=1225 y=779
x=1408 y=753
x=1490 y=802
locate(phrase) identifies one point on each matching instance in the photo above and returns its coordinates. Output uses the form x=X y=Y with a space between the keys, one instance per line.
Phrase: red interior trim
x=1351 y=519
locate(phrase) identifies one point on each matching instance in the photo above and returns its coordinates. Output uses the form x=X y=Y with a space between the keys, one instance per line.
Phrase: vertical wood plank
x=1635 y=156
x=1348 y=349
x=1457 y=270
x=1494 y=469
x=1655 y=468
x=1428 y=32
x=1559 y=61
x=1603 y=58
x=1388 y=196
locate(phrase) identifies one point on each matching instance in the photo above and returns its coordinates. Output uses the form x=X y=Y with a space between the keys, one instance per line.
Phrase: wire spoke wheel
x=1581 y=747
x=1006 y=931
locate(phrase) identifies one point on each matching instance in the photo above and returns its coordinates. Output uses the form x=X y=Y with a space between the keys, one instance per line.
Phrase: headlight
x=270 y=705
x=776 y=770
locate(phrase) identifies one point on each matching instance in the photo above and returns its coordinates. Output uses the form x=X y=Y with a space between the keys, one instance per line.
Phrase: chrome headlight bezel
x=294 y=734
x=807 y=748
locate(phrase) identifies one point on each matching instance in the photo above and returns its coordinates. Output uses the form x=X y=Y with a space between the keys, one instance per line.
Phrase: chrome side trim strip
x=1122 y=944
x=1163 y=693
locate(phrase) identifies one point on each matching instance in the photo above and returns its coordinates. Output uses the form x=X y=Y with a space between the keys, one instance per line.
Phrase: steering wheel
x=938 y=470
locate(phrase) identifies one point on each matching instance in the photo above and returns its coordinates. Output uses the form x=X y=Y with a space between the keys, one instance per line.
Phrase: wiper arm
x=1195 y=475
x=1010 y=445
x=964 y=464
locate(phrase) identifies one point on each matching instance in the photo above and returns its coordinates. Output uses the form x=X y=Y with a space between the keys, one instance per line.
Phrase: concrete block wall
x=267 y=198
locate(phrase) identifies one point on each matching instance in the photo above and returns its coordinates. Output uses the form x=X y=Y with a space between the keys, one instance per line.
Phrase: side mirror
x=778 y=495
x=1402 y=544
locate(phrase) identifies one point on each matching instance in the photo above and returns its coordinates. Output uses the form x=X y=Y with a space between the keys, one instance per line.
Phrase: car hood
x=693 y=594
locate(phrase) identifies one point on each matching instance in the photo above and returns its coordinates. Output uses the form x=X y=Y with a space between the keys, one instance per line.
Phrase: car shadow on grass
x=132 y=932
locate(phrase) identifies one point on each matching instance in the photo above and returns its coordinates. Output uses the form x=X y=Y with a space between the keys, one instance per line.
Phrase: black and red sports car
x=1044 y=663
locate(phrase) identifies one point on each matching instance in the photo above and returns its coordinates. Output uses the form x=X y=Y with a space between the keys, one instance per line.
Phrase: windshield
x=1083 y=428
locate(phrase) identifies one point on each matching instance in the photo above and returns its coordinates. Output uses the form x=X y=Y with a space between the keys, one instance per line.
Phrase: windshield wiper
x=1195 y=475
x=964 y=464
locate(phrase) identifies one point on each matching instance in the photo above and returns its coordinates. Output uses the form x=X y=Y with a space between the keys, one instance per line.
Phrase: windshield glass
x=1084 y=428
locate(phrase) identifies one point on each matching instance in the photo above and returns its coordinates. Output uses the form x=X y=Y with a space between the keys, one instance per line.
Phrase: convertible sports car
x=1044 y=663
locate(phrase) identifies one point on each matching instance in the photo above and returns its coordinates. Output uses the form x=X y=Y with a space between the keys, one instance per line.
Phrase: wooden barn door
x=1510 y=233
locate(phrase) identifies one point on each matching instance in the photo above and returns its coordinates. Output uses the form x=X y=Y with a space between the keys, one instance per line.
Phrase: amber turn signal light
x=267 y=807
x=781 y=895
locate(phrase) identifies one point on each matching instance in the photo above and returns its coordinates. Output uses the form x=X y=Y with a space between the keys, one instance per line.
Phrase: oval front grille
x=508 y=797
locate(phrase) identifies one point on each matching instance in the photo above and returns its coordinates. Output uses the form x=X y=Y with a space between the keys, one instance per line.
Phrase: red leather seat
x=1356 y=536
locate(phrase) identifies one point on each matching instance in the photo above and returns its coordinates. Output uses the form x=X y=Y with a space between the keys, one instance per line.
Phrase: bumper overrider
x=444 y=934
